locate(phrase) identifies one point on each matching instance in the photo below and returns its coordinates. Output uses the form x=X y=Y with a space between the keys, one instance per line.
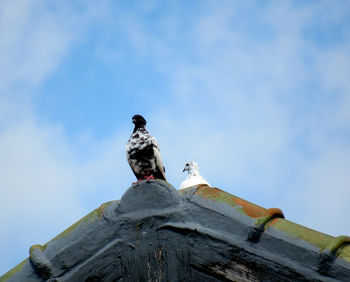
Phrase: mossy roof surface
x=13 y=271
x=291 y=229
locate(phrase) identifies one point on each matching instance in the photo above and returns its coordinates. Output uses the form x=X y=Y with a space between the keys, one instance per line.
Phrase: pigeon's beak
x=184 y=170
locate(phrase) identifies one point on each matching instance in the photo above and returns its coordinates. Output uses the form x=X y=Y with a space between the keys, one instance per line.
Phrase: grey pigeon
x=142 y=152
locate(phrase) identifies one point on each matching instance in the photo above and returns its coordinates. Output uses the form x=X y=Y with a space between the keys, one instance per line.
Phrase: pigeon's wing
x=202 y=180
x=131 y=164
x=160 y=169
x=184 y=184
x=127 y=154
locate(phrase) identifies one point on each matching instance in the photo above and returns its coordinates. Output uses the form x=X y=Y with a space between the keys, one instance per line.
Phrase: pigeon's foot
x=138 y=181
x=149 y=178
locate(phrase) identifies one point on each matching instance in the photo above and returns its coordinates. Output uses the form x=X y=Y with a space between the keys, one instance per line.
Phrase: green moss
x=216 y=195
x=243 y=206
x=294 y=230
x=13 y=271
x=91 y=217
x=32 y=248
x=344 y=253
x=102 y=208
x=318 y=239
x=262 y=220
x=337 y=243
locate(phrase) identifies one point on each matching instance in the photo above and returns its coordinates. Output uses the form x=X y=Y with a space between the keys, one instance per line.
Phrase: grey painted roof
x=155 y=233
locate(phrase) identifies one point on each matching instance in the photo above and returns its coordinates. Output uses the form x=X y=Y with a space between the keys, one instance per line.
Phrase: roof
x=157 y=233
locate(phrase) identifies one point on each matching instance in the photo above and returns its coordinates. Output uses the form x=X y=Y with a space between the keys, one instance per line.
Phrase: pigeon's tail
x=159 y=175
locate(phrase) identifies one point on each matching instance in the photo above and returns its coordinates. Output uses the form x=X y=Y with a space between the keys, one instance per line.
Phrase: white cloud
x=233 y=109
x=324 y=202
x=33 y=43
x=36 y=36
x=244 y=117
x=47 y=185
x=42 y=175
x=43 y=183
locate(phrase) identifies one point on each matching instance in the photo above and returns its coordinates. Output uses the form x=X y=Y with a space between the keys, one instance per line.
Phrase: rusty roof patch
x=218 y=195
x=274 y=218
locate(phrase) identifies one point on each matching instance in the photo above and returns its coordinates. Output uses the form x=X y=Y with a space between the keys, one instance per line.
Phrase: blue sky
x=257 y=92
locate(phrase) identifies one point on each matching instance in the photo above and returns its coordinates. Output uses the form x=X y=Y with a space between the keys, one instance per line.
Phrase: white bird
x=193 y=178
x=142 y=152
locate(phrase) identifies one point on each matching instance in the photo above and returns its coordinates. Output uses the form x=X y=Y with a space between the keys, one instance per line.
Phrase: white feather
x=193 y=178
